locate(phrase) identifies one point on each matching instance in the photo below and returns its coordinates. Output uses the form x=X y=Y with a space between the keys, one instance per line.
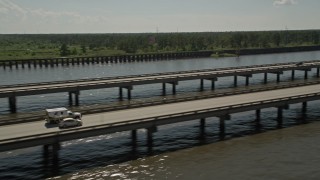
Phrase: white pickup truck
x=56 y=115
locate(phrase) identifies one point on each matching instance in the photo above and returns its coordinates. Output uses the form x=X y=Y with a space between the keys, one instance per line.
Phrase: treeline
x=75 y=44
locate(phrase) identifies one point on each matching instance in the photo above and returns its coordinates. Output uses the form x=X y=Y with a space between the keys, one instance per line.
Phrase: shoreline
x=189 y=54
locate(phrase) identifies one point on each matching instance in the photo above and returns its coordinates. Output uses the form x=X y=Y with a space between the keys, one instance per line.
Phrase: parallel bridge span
x=35 y=133
x=74 y=87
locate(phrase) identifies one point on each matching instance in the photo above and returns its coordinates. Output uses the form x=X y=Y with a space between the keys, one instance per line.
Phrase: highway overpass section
x=36 y=133
x=127 y=82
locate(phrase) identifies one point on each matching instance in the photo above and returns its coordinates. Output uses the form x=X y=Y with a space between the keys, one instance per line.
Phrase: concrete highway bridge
x=70 y=61
x=74 y=87
x=31 y=134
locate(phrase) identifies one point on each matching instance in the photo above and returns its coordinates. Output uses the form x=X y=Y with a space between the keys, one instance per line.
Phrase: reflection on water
x=179 y=151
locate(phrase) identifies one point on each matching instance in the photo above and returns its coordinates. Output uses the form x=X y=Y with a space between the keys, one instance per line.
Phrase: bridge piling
x=76 y=97
x=318 y=71
x=34 y=63
x=46 y=63
x=222 y=120
x=235 y=81
x=29 y=64
x=120 y=94
x=22 y=64
x=129 y=89
x=150 y=131
x=280 y=115
x=174 y=84
x=10 y=64
x=278 y=77
x=306 y=74
x=77 y=93
x=134 y=136
x=292 y=75
x=55 y=147
x=201 y=84
x=304 y=107
x=258 y=116
x=164 y=93
x=213 y=80
x=202 y=127
x=70 y=99
x=40 y=63
x=247 y=78
x=265 y=78
x=13 y=104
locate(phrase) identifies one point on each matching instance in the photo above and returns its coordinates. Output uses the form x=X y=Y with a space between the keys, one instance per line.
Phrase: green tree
x=64 y=50
x=276 y=39
x=83 y=49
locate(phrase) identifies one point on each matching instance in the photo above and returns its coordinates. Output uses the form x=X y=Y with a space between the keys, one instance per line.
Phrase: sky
x=144 y=16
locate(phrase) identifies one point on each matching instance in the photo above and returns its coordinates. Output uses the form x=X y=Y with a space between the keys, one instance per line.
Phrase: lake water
x=246 y=152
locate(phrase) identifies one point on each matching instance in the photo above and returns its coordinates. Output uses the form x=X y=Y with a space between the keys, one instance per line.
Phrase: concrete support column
x=120 y=94
x=129 y=93
x=76 y=94
x=134 y=136
x=164 y=92
x=304 y=112
x=280 y=115
x=174 y=84
x=278 y=77
x=70 y=99
x=202 y=127
x=306 y=74
x=52 y=63
x=13 y=104
x=265 y=78
x=292 y=75
x=213 y=80
x=222 y=124
x=174 y=90
x=235 y=81
x=40 y=63
x=201 y=84
x=304 y=107
x=76 y=97
x=247 y=79
x=150 y=131
x=55 y=154
x=129 y=88
x=258 y=116
x=46 y=150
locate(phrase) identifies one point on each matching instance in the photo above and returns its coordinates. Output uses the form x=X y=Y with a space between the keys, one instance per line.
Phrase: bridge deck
x=134 y=115
x=77 y=85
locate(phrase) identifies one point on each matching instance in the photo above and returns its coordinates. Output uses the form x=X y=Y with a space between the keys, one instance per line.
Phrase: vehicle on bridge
x=56 y=115
x=70 y=122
